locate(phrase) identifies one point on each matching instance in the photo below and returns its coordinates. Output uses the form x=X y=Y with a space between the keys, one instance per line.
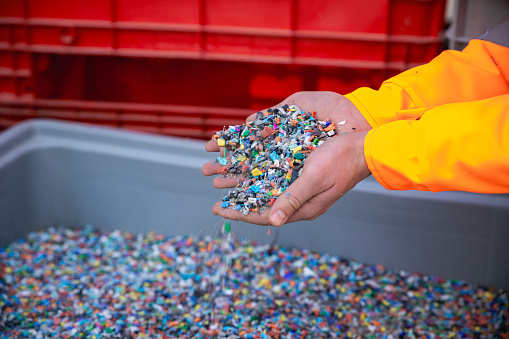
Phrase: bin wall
x=54 y=173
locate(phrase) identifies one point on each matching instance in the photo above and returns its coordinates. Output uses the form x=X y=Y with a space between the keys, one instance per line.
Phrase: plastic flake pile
x=63 y=283
x=270 y=153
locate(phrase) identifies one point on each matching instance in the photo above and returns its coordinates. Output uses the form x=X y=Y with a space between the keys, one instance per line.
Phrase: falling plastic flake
x=270 y=153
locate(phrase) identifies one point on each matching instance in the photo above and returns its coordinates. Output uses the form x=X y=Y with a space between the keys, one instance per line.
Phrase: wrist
x=364 y=118
x=359 y=155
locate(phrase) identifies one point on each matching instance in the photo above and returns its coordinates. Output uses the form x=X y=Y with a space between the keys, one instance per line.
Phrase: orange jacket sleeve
x=459 y=146
x=480 y=71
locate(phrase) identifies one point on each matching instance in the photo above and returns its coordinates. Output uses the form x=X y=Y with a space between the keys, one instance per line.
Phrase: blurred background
x=187 y=68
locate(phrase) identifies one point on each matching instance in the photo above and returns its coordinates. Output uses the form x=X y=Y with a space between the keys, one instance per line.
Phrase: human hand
x=330 y=171
x=327 y=104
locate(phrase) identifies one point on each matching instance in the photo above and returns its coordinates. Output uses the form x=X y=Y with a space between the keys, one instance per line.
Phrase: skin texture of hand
x=329 y=172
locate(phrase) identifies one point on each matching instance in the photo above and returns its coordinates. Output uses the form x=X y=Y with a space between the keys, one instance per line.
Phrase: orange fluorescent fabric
x=444 y=125
x=453 y=147
x=478 y=72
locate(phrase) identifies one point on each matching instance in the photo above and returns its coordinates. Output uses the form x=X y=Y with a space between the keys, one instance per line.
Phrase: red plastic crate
x=172 y=66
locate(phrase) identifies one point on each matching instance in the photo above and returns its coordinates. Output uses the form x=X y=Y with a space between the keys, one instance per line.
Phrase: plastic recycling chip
x=269 y=153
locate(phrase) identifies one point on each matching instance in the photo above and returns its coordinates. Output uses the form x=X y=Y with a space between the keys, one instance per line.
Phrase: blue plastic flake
x=254 y=189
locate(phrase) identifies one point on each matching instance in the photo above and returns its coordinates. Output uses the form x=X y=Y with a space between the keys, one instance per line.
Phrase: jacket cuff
x=390 y=103
x=358 y=103
x=394 y=163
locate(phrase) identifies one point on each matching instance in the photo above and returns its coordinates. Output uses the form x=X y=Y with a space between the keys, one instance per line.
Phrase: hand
x=326 y=104
x=330 y=172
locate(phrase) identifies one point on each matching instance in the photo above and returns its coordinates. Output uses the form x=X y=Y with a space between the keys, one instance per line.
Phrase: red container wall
x=189 y=67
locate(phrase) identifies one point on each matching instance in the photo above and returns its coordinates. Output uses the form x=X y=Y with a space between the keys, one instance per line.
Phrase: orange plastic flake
x=215 y=136
x=295 y=122
x=275 y=192
x=277 y=120
x=330 y=127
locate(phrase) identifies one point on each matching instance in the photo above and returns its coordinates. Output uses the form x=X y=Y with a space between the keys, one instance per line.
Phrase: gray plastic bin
x=56 y=173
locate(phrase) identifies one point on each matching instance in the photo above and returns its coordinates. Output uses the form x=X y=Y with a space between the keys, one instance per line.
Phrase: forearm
x=478 y=72
x=463 y=146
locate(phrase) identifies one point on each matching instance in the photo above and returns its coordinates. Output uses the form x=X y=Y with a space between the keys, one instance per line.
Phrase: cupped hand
x=325 y=104
x=334 y=160
x=330 y=171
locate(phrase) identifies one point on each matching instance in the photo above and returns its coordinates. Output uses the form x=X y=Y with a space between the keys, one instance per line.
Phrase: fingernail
x=277 y=218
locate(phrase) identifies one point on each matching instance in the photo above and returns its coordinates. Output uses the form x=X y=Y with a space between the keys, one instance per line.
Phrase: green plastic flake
x=299 y=156
x=227 y=226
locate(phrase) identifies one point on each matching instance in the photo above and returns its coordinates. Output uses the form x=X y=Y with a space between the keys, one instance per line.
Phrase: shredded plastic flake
x=82 y=283
x=269 y=152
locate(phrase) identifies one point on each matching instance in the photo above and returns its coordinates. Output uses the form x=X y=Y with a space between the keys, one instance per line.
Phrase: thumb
x=292 y=199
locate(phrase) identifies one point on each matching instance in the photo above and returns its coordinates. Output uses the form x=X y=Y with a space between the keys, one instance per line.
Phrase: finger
x=211 y=168
x=250 y=118
x=314 y=207
x=211 y=146
x=227 y=182
x=233 y=214
x=296 y=195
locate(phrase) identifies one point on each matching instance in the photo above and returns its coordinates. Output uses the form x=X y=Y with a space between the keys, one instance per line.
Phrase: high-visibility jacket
x=443 y=125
